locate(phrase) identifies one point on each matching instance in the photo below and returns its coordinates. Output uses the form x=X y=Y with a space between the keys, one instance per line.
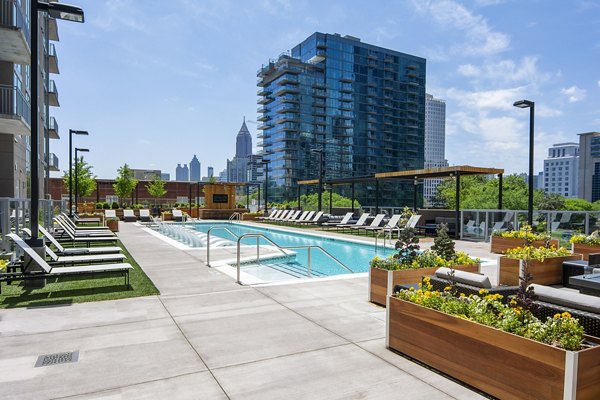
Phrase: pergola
x=415 y=175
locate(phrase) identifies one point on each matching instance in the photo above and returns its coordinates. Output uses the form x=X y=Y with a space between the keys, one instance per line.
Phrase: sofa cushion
x=567 y=298
x=468 y=278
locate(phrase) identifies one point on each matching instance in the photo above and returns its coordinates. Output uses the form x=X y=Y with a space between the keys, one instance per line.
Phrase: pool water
x=355 y=255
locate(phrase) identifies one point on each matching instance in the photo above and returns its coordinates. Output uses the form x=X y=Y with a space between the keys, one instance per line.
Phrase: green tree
x=578 y=205
x=86 y=181
x=548 y=201
x=311 y=201
x=125 y=182
x=156 y=188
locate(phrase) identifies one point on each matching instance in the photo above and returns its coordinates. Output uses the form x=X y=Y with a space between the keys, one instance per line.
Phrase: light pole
x=58 y=11
x=77 y=176
x=71 y=133
x=266 y=167
x=531 y=105
x=320 y=151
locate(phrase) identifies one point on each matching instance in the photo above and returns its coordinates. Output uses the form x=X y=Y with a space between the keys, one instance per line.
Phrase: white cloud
x=480 y=38
x=468 y=70
x=545 y=111
x=574 y=94
x=598 y=83
x=501 y=99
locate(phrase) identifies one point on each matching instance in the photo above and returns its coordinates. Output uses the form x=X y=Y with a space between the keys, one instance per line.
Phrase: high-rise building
x=589 y=166
x=561 y=169
x=146 y=174
x=15 y=108
x=255 y=168
x=243 y=142
x=182 y=173
x=222 y=176
x=165 y=176
x=361 y=105
x=195 y=169
x=435 y=145
x=210 y=172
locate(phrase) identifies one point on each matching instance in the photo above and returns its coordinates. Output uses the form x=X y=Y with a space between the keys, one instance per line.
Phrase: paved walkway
x=205 y=337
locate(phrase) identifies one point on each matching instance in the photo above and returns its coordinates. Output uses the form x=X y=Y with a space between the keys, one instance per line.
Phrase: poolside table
x=587 y=284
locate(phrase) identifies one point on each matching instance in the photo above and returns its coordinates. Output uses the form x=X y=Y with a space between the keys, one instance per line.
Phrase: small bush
x=114 y=205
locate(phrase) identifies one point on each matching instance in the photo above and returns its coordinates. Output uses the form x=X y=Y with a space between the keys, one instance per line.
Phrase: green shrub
x=114 y=205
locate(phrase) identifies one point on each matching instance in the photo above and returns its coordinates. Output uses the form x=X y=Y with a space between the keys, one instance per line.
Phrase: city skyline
x=157 y=86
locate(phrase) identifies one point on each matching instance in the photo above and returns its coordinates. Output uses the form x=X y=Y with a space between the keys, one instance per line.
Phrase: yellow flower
x=447 y=288
x=517 y=311
x=418 y=301
x=462 y=295
x=566 y=315
x=513 y=302
x=426 y=279
x=557 y=316
x=482 y=291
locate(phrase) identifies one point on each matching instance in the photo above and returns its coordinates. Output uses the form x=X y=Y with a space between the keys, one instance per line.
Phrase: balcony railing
x=53 y=129
x=13 y=103
x=53 y=94
x=53 y=162
x=52 y=60
x=12 y=15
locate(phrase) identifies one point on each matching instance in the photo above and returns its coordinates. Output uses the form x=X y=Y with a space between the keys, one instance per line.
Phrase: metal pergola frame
x=416 y=175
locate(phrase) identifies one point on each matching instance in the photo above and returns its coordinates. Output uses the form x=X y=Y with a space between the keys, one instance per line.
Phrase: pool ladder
x=235 y=216
x=280 y=248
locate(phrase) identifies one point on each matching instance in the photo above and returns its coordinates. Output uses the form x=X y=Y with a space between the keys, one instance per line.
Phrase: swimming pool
x=353 y=254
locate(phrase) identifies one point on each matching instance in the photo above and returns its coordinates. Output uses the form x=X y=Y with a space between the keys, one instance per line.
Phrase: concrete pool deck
x=206 y=337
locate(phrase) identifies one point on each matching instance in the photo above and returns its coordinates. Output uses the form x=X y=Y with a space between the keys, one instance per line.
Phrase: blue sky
x=156 y=82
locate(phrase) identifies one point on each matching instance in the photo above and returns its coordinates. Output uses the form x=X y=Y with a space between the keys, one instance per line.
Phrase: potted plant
x=113 y=224
x=167 y=216
x=502 y=241
x=498 y=348
x=586 y=245
x=409 y=265
x=545 y=264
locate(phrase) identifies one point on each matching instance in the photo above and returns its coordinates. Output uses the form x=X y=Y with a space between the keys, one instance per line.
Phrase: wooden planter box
x=167 y=217
x=547 y=272
x=585 y=250
x=500 y=244
x=250 y=217
x=382 y=281
x=113 y=225
x=504 y=365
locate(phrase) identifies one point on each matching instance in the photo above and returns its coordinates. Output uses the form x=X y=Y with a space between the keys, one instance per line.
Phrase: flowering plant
x=536 y=253
x=591 y=240
x=3 y=264
x=487 y=309
x=426 y=259
x=525 y=232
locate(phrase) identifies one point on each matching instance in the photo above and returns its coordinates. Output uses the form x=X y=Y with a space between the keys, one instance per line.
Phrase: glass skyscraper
x=363 y=106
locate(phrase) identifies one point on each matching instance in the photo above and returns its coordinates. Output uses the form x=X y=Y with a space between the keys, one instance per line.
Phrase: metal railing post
x=208 y=248
x=308 y=270
x=239 y=281
x=257 y=249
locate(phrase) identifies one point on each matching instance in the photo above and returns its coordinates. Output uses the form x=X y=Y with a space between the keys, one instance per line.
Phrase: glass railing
x=12 y=14
x=13 y=102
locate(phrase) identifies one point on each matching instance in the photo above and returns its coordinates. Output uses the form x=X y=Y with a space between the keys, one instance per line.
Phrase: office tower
x=435 y=145
x=15 y=107
x=589 y=166
x=255 y=168
x=222 y=176
x=243 y=142
x=146 y=174
x=361 y=106
x=210 y=172
x=561 y=169
x=182 y=173
x=165 y=176
x=195 y=169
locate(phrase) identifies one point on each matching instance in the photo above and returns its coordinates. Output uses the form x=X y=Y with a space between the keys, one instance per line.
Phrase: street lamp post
x=320 y=151
x=266 y=167
x=531 y=105
x=58 y=11
x=71 y=133
x=77 y=176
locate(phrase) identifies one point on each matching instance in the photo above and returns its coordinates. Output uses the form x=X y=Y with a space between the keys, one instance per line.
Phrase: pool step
x=292 y=268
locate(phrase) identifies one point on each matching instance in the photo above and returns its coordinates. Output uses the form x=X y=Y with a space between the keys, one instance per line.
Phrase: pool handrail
x=208 y=240
x=282 y=249
x=234 y=216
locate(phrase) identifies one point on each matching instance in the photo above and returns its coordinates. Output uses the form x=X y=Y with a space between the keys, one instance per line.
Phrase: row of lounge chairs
x=65 y=261
x=293 y=217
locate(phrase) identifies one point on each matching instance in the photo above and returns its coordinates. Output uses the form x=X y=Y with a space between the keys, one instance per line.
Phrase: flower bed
x=585 y=245
x=386 y=273
x=545 y=265
x=502 y=241
x=499 y=349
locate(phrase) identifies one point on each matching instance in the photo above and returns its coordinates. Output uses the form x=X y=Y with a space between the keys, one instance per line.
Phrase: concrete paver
x=207 y=337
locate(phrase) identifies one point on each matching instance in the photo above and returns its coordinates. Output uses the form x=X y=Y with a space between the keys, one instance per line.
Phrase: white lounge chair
x=70 y=251
x=282 y=216
x=273 y=212
x=308 y=220
x=344 y=221
x=145 y=215
x=84 y=258
x=177 y=215
x=361 y=221
x=64 y=224
x=49 y=271
x=302 y=217
x=375 y=223
x=388 y=227
x=291 y=216
x=129 y=216
x=65 y=218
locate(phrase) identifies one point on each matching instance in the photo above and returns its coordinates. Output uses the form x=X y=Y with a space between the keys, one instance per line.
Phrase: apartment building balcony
x=52 y=60
x=53 y=129
x=15 y=45
x=53 y=94
x=289 y=99
x=53 y=29
x=53 y=162
x=265 y=100
x=263 y=91
x=15 y=111
x=261 y=110
x=286 y=89
x=263 y=117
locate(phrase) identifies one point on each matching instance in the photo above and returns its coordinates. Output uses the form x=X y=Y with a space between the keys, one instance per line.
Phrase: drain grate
x=57 y=358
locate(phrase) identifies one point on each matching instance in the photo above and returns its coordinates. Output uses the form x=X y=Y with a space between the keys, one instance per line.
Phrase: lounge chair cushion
x=567 y=298
x=468 y=278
